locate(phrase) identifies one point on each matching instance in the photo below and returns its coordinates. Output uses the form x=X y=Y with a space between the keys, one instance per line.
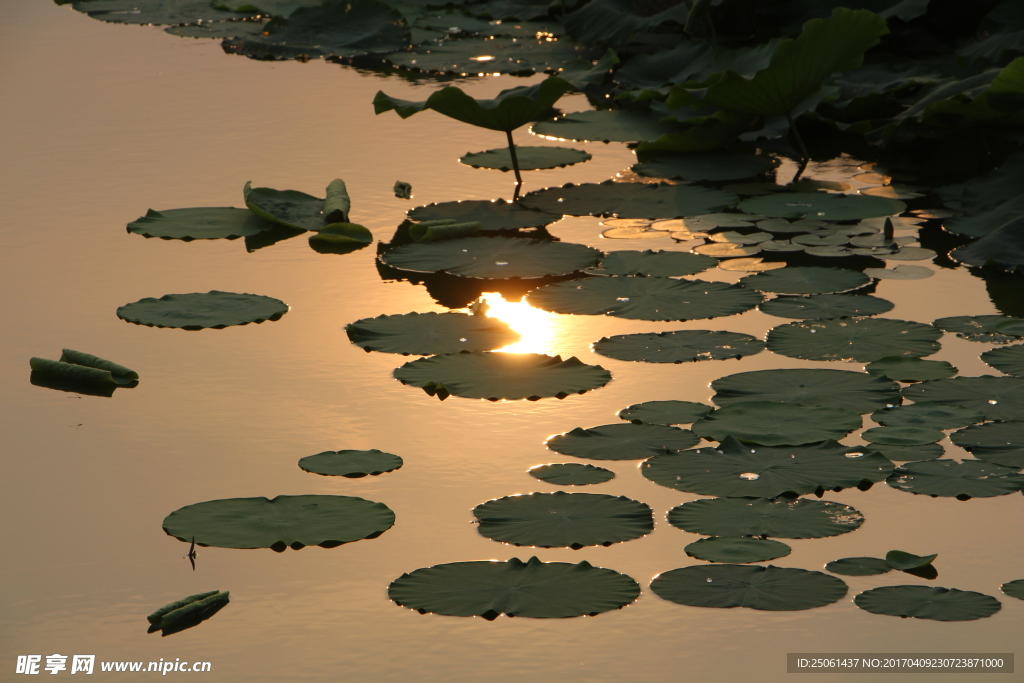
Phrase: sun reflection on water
x=537 y=329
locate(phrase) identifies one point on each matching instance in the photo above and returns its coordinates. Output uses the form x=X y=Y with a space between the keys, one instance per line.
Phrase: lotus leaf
x=706 y=223
x=739 y=470
x=622 y=441
x=75 y=367
x=645 y=298
x=929 y=451
x=825 y=306
x=858 y=566
x=776 y=517
x=928 y=414
x=630 y=200
x=726 y=250
x=736 y=550
x=605 y=125
x=157 y=616
x=572 y=474
x=615 y=22
x=926 y=602
x=493 y=258
x=765 y=588
x=822 y=205
x=495 y=376
x=902 y=435
x=980 y=328
x=711 y=166
x=658 y=263
x=860 y=339
x=751 y=265
x=529 y=158
x=1014 y=326
x=155 y=11
x=1003 y=247
x=492 y=215
x=198 y=311
x=857 y=391
x=217 y=29
x=278 y=8
x=351 y=464
x=998 y=442
x=989 y=201
x=542 y=590
x=961 y=480
x=199 y=224
x=279 y=523
x=900 y=273
x=1009 y=360
x=196 y=610
x=692 y=59
x=904 y=369
x=563 y=520
x=680 y=346
x=665 y=412
x=430 y=333
x=1015 y=589
x=998 y=398
x=806 y=280
x=734 y=237
x=776 y=424
x=898 y=559
x=473 y=56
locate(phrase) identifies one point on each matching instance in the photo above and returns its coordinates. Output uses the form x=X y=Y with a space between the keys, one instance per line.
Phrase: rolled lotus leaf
x=820 y=306
x=350 y=463
x=680 y=346
x=960 y=480
x=909 y=369
x=857 y=391
x=737 y=550
x=571 y=474
x=443 y=229
x=492 y=258
x=775 y=517
x=205 y=223
x=541 y=590
x=430 y=333
x=193 y=611
x=859 y=339
x=764 y=588
x=337 y=204
x=342 y=233
x=926 y=602
x=665 y=412
x=997 y=398
x=859 y=566
x=622 y=441
x=156 y=616
x=197 y=311
x=999 y=442
x=773 y=423
x=898 y=559
x=70 y=372
x=119 y=372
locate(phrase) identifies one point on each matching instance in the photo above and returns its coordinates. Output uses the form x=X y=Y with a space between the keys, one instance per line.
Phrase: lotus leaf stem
x=515 y=165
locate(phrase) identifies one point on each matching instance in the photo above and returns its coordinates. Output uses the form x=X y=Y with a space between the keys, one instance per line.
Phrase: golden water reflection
x=538 y=329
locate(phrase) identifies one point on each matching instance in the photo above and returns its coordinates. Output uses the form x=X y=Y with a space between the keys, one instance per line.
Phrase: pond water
x=101 y=122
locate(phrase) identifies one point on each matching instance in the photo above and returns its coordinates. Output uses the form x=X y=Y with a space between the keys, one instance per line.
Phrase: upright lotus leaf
x=521 y=55
x=492 y=215
x=615 y=22
x=859 y=566
x=902 y=435
x=197 y=311
x=998 y=442
x=741 y=470
x=279 y=523
x=926 y=602
x=292 y=208
x=928 y=414
x=430 y=333
x=899 y=559
x=1015 y=589
x=736 y=550
x=630 y=200
x=765 y=588
x=563 y=520
x=775 y=517
x=998 y=398
x=822 y=205
x=820 y=306
x=806 y=280
x=678 y=347
x=1002 y=247
x=953 y=479
x=606 y=125
x=622 y=441
x=776 y=424
x=645 y=298
x=529 y=158
x=199 y=224
x=665 y=412
x=909 y=369
x=857 y=391
x=496 y=376
x=989 y=201
x=350 y=463
x=659 y=263
x=161 y=12
x=708 y=166
x=1009 y=359
x=541 y=590
x=859 y=339
x=492 y=258
x=571 y=474
x=980 y=328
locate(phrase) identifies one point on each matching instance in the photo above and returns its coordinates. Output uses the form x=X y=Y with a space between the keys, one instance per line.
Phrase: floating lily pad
x=902 y=435
x=606 y=125
x=492 y=215
x=572 y=474
x=563 y=520
x=665 y=412
x=857 y=391
x=713 y=166
x=860 y=339
x=645 y=298
x=741 y=470
x=678 y=347
x=155 y=11
x=708 y=222
x=291 y=208
x=1015 y=589
x=998 y=442
x=751 y=265
x=928 y=451
x=199 y=224
x=217 y=30
x=775 y=517
x=900 y=273
x=961 y=480
x=492 y=258
x=904 y=369
x=430 y=333
x=998 y=398
x=529 y=158
x=1008 y=360
x=542 y=590
x=806 y=280
x=899 y=559
x=926 y=602
x=351 y=464
x=495 y=376
x=858 y=566
x=775 y=424
x=737 y=550
x=822 y=205
x=629 y=200
x=198 y=311
x=503 y=55
x=622 y=441
x=660 y=263
x=726 y=250
x=928 y=414
x=980 y=328
x=765 y=588
x=279 y=523
x=825 y=306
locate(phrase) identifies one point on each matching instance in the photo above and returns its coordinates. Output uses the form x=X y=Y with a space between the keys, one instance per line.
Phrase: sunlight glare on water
x=538 y=329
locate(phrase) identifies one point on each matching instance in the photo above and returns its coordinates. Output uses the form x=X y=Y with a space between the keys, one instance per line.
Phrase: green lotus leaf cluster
x=763 y=588
x=199 y=311
x=430 y=333
x=351 y=463
x=492 y=258
x=918 y=565
x=630 y=200
x=571 y=474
